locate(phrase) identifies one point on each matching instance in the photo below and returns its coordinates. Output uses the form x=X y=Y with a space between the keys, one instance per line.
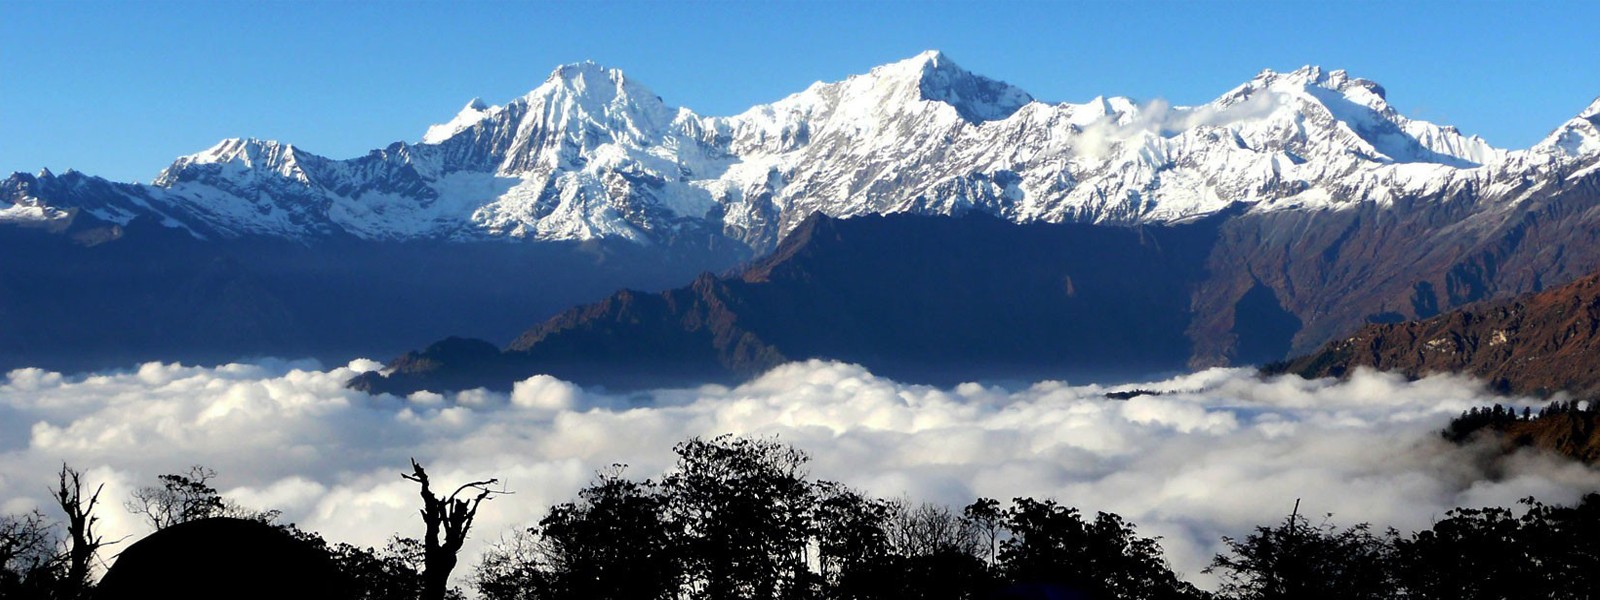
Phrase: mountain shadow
x=1264 y=328
x=103 y=296
x=928 y=299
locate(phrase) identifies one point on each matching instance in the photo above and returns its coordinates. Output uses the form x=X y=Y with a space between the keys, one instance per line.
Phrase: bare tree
x=85 y=544
x=926 y=529
x=28 y=561
x=450 y=517
x=179 y=499
x=188 y=496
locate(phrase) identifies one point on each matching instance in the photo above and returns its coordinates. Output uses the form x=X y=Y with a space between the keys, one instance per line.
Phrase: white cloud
x=1159 y=119
x=1222 y=451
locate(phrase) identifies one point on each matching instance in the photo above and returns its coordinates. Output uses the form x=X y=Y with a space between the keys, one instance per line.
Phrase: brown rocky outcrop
x=1532 y=344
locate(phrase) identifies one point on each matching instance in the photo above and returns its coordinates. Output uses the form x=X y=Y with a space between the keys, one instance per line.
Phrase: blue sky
x=119 y=89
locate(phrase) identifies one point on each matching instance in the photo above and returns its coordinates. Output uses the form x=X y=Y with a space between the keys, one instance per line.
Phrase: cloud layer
x=1223 y=451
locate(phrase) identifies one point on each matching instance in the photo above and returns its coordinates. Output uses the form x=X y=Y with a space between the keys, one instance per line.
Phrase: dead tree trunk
x=80 y=530
x=448 y=518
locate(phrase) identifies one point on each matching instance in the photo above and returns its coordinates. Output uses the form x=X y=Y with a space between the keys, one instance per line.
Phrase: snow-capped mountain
x=590 y=153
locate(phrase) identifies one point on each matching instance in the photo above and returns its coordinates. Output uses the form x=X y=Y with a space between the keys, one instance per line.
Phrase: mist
x=1216 y=453
x=1158 y=118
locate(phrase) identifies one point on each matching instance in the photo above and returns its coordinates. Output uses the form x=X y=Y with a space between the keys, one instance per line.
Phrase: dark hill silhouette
x=1532 y=344
x=929 y=299
x=222 y=558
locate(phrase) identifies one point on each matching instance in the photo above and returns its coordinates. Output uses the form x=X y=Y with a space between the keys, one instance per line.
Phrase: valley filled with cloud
x=1215 y=453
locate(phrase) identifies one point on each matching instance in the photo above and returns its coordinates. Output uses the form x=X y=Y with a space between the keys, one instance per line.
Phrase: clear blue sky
x=119 y=89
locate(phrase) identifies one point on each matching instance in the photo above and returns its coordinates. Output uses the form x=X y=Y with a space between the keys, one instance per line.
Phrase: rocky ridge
x=1540 y=343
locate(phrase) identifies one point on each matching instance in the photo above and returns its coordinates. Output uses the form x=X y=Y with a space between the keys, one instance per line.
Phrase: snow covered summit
x=591 y=153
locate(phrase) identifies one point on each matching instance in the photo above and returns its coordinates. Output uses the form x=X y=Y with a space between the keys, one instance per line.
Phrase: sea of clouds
x=1220 y=452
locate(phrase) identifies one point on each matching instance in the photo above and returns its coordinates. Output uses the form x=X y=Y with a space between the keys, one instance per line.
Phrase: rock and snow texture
x=591 y=153
x=470 y=115
x=1577 y=137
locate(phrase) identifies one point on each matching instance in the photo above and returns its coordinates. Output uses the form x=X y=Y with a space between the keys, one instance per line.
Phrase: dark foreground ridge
x=223 y=557
x=740 y=518
x=1537 y=343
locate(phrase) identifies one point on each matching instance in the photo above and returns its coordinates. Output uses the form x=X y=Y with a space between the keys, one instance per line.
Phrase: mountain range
x=1319 y=208
x=591 y=153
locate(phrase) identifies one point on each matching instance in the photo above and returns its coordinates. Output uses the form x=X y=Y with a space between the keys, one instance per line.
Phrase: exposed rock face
x=1575 y=435
x=1533 y=344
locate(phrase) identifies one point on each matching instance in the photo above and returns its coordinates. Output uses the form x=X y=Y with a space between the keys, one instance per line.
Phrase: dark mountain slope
x=1565 y=428
x=1336 y=270
x=97 y=296
x=945 y=299
x=1537 y=343
x=928 y=299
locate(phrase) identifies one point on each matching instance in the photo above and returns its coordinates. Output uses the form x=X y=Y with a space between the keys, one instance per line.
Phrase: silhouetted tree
x=745 y=508
x=1296 y=560
x=926 y=529
x=179 y=499
x=613 y=543
x=29 y=567
x=1548 y=552
x=447 y=520
x=1054 y=552
x=83 y=542
x=393 y=572
x=1565 y=544
x=185 y=497
x=988 y=520
x=851 y=541
x=511 y=569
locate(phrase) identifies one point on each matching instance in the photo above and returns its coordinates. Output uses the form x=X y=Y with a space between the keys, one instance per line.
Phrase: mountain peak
x=1579 y=136
x=975 y=97
x=1337 y=80
x=913 y=67
x=931 y=57
x=585 y=72
x=474 y=112
x=592 y=82
x=1592 y=111
x=242 y=153
x=230 y=149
